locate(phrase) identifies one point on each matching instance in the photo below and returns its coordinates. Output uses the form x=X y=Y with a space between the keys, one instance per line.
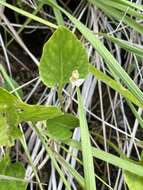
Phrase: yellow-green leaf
x=62 y=54
x=59 y=128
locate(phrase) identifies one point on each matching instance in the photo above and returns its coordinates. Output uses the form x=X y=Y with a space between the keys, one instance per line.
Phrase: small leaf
x=60 y=128
x=62 y=54
x=37 y=113
x=13 y=170
x=133 y=181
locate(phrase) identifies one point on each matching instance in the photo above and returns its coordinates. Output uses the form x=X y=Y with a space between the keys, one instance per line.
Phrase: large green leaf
x=133 y=181
x=62 y=54
x=37 y=112
x=15 y=170
x=20 y=111
x=59 y=128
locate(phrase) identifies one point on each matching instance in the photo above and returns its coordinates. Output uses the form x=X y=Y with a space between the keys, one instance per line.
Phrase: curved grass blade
x=114 y=85
x=110 y=158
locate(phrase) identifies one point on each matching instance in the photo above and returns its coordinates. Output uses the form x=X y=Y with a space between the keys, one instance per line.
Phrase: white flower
x=75 y=80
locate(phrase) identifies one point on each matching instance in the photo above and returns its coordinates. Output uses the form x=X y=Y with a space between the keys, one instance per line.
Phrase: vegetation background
x=112 y=33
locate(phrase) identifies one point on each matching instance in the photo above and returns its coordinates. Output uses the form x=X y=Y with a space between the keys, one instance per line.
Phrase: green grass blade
x=131 y=47
x=130 y=4
x=114 y=85
x=136 y=114
x=112 y=159
x=120 y=6
x=86 y=147
x=58 y=15
x=118 y=15
x=27 y=14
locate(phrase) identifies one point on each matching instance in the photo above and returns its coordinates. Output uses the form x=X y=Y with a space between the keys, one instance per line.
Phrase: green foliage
x=62 y=54
x=8 y=129
x=9 y=118
x=117 y=10
x=13 y=111
x=115 y=68
x=131 y=47
x=128 y=165
x=59 y=128
x=16 y=170
x=8 y=87
x=133 y=181
x=7 y=98
x=86 y=147
x=114 y=85
x=36 y=113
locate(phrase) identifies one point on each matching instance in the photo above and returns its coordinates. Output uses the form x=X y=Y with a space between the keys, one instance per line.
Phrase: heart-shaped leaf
x=62 y=54
x=60 y=128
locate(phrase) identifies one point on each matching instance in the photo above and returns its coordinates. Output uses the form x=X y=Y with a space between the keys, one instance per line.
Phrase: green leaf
x=60 y=128
x=12 y=170
x=8 y=127
x=37 y=112
x=62 y=54
x=19 y=111
x=9 y=83
x=6 y=98
x=9 y=119
x=4 y=133
x=133 y=181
